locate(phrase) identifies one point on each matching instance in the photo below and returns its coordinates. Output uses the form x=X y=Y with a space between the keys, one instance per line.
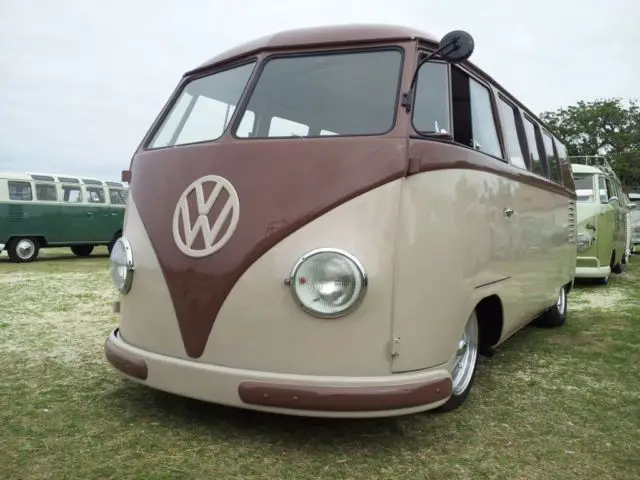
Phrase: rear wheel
x=464 y=365
x=23 y=249
x=556 y=316
x=82 y=250
x=617 y=267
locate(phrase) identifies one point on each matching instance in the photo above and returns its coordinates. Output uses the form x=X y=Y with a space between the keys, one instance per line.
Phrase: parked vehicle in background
x=602 y=219
x=634 y=198
x=49 y=210
x=349 y=216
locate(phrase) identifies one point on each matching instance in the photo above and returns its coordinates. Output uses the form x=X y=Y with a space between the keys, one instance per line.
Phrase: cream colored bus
x=348 y=216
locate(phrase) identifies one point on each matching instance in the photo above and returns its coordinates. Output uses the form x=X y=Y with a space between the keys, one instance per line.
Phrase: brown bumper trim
x=124 y=361
x=344 y=399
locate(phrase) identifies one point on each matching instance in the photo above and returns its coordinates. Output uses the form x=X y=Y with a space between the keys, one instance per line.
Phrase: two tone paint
x=427 y=219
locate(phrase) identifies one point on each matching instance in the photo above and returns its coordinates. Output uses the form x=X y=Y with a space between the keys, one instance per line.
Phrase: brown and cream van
x=336 y=221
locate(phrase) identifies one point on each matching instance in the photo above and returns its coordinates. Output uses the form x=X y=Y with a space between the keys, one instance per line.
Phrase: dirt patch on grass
x=605 y=298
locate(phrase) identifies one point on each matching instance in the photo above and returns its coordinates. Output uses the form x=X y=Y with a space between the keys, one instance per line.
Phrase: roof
x=29 y=176
x=323 y=35
x=579 y=168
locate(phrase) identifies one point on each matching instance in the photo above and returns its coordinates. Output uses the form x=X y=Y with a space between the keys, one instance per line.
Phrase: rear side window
x=46 y=192
x=20 y=190
x=95 y=195
x=510 y=131
x=534 y=153
x=117 y=197
x=72 y=194
x=552 y=160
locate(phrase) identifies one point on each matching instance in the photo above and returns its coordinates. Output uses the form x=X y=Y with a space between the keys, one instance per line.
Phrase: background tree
x=608 y=127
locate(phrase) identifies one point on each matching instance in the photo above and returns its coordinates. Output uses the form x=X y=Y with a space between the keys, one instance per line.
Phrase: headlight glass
x=328 y=282
x=583 y=241
x=122 y=265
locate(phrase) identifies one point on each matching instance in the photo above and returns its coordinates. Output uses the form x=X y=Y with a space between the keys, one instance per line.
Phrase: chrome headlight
x=583 y=241
x=328 y=282
x=122 y=265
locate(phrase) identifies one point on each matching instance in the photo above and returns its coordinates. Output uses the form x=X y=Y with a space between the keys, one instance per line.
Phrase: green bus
x=601 y=219
x=50 y=210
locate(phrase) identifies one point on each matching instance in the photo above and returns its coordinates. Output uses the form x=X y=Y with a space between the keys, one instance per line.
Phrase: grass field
x=551 y=404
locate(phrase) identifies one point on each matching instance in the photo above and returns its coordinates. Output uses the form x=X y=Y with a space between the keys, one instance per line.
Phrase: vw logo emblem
x=202 y=224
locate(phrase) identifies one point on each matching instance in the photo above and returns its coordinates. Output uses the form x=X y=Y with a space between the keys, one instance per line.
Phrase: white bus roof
x=59 y=177
x=579 y=168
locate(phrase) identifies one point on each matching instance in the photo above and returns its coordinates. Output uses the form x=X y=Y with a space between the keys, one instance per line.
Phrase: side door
x=74 y=214
x=607 y=221
x=98 y=214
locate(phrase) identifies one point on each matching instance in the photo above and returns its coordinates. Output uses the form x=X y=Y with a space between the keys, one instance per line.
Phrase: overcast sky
x=81 y=80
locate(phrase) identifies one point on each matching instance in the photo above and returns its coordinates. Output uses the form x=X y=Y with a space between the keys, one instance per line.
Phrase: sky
x=81 y=80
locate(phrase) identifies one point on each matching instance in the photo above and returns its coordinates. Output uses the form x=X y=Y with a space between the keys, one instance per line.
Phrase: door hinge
x=394 y=350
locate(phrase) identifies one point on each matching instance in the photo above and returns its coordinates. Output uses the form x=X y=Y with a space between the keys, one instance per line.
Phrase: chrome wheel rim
x=465 y=360
x=25 y=249
x=561 y=301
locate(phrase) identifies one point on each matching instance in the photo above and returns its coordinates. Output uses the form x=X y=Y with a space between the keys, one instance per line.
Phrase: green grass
x=552 y=404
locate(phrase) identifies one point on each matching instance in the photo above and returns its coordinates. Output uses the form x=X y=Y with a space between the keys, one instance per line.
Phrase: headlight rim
x=341 y=313
x=128 y=278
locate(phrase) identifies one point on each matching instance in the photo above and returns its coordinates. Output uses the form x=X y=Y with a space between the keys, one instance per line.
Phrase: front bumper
x=593 y=272
x=302 y=395
x=2 y=245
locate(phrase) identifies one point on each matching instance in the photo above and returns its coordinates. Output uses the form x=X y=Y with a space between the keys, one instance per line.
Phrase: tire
x=82 y=250
x=464 y=367
x=113 y=242
x=556 y=316
x=603 y=280
x=23 y=249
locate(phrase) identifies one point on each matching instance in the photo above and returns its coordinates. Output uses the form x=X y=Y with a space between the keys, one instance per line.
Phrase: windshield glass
x=353 y=93
x=584 y=188
x=203 y=109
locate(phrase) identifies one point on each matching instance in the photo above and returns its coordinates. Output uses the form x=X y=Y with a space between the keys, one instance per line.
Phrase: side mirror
x=613 y=199
x=456 y=46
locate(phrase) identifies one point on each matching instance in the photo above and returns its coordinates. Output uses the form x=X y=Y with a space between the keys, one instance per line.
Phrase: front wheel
x=464 y=365
x=23 y=249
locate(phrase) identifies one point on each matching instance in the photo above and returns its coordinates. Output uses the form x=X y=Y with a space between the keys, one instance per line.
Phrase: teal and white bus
x=50 y=210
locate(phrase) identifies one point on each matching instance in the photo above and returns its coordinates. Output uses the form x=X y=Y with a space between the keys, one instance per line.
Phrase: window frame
x=421 y=52
x=28 y=182
x=75 y=187
x=520 y=131
x=46 y=184
x=235 y=121
x=89 y=188
x=177 y=92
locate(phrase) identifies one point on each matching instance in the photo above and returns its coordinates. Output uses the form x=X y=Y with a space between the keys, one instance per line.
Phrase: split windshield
x=584 y=188
x=352 y=93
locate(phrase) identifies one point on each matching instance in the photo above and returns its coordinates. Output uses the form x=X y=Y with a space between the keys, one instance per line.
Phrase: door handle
x=508 y=212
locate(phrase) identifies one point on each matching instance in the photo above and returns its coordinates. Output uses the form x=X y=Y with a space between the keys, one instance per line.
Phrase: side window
x=552 y=160
x=611 y=191
x=72 y=194
x=535 y=161
x=117 y=197
x=602 y=190
x=46 y=192
x=473 y=120
x=281 y=127
x=20 y=190
x=510 y=131
x=431 y=112
x=95 y=194
x=565 y=166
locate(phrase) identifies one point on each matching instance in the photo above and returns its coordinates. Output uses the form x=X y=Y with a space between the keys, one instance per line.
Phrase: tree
x=607 y=127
